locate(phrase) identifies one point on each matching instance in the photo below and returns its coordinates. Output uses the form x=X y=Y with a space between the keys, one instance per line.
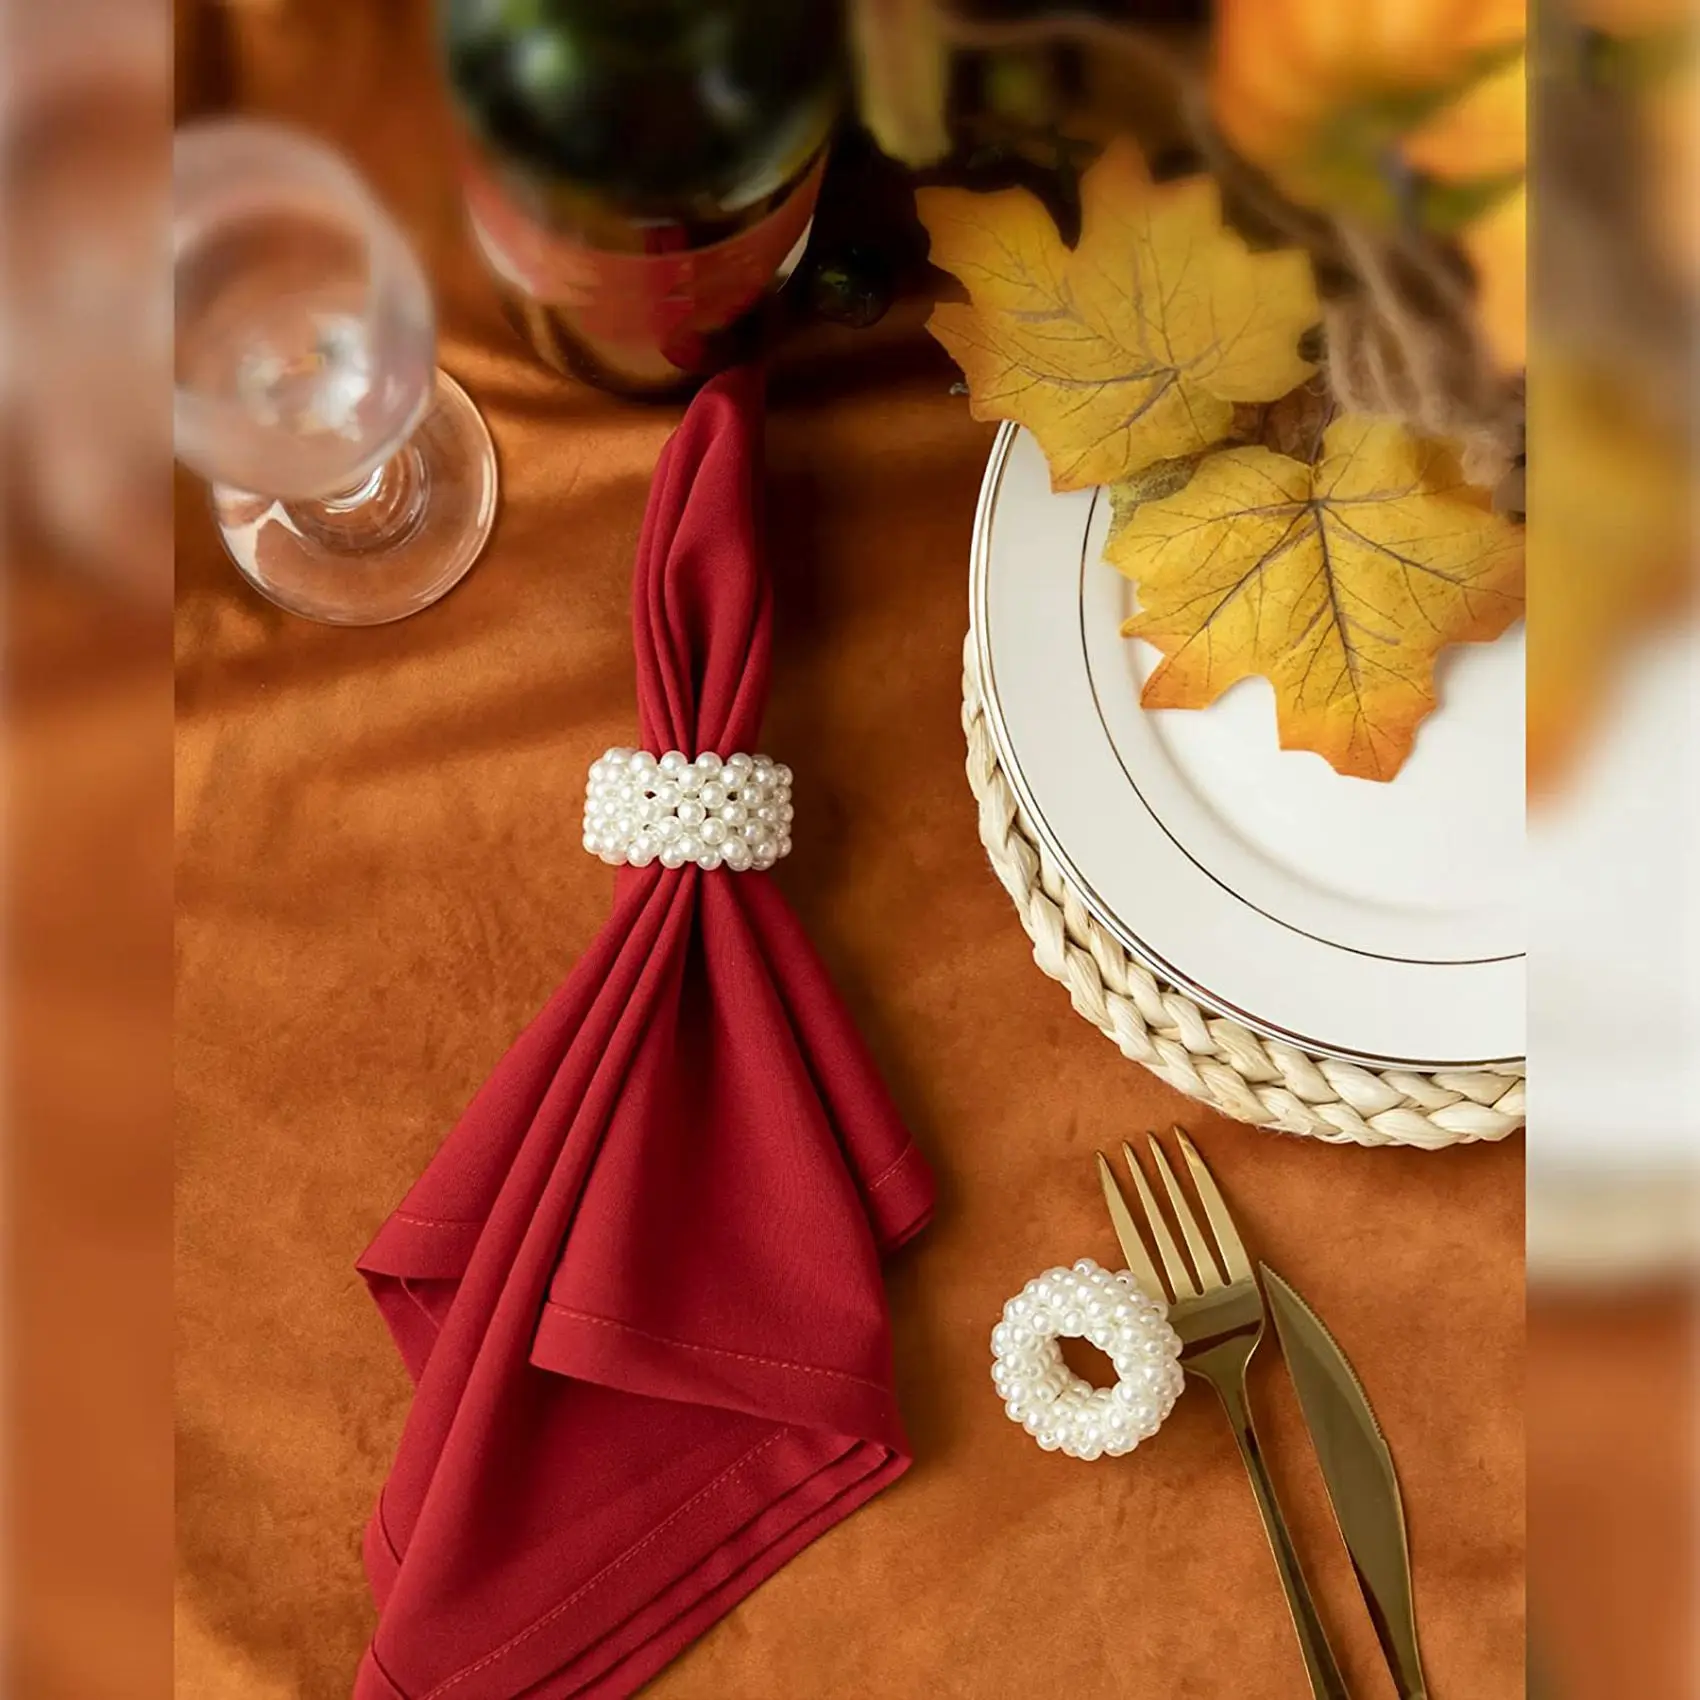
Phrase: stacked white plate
x=1373 y=923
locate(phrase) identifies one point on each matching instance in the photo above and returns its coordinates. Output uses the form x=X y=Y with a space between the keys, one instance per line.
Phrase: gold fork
x=1220 y=1319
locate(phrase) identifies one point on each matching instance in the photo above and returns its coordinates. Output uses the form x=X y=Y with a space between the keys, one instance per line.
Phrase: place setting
x=1202 y=1313
x=593 y=1246
x=1243 y=684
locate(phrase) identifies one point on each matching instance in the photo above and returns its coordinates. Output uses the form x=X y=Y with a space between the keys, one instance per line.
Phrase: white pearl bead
x=673 y=855
x=734 y=813
x=1061 y=1411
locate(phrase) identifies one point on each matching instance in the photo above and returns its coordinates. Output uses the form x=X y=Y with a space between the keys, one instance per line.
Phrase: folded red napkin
x=638 y=1287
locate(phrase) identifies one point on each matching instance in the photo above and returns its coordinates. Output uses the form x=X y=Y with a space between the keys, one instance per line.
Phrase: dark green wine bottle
x=641 y=174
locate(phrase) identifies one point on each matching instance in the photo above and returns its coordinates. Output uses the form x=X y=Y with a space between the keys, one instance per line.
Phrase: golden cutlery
x=1357 y=1469
x=1220 y=1318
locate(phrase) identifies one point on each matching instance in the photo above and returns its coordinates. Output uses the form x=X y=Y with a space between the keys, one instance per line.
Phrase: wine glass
x=352 y=480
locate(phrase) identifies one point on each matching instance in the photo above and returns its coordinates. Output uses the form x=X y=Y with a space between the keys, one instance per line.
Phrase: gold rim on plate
x=1211 y=1053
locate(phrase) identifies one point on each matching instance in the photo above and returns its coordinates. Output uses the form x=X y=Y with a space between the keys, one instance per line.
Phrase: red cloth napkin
x=638 y=1287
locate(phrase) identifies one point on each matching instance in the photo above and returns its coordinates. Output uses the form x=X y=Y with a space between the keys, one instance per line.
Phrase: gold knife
x=1357 y=1469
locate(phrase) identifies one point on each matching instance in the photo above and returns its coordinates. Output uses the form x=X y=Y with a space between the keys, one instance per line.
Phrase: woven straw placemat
x=1218 y=1061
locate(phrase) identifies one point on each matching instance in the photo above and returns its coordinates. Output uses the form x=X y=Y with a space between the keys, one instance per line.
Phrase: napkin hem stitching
x=717 y=1351
x=584 y=1588
x=909 y=1150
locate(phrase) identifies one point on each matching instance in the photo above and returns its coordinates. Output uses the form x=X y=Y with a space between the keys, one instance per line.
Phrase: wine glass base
x=407 y=539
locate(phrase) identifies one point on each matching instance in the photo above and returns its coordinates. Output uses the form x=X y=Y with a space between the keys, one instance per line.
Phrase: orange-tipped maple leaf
x=1339 y=581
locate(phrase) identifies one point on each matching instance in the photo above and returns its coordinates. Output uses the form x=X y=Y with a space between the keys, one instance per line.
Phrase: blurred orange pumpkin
x=1320 y=92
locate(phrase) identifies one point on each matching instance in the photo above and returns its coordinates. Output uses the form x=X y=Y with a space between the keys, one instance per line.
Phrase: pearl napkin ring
x=1060 y=1410
x=735 y=813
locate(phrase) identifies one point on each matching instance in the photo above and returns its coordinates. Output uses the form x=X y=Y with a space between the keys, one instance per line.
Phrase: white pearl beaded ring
x=1060 y=1410
x=735 y=813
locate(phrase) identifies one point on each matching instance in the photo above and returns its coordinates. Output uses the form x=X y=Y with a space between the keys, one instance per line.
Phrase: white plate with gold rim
x=1376 y=923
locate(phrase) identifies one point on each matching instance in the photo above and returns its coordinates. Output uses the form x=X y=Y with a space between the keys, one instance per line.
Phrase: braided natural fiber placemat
x=1205 y=1055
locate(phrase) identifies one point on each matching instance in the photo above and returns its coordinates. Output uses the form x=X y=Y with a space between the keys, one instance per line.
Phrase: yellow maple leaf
x=1338 y=581
x=1135 y=345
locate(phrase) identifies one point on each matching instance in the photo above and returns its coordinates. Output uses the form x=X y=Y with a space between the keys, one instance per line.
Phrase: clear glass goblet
x=352 y=481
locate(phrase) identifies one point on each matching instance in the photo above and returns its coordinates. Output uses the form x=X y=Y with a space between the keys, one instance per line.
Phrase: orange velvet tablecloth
x=379 y=881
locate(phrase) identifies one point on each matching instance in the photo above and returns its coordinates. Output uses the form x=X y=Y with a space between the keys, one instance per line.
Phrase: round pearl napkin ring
x=1060 y=1410
x=735 y=813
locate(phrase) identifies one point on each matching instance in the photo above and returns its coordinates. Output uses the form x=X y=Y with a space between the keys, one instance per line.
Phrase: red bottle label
x=660 y=299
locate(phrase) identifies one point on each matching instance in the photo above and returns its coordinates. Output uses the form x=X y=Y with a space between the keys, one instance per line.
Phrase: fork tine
x=1138 y=1259
x=1209 y=1275
x=1234 y=1258
x=1180 y=1277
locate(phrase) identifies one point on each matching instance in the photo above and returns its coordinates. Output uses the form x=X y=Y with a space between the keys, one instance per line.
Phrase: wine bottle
x=641 y=174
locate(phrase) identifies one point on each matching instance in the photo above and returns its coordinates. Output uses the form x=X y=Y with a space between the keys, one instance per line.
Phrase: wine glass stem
x=384 y=509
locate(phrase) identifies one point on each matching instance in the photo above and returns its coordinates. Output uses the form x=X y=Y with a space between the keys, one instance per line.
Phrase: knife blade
x=1357 y=1469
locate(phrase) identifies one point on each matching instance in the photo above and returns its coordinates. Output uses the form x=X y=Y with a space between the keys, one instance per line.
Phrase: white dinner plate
x=1379 y=923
